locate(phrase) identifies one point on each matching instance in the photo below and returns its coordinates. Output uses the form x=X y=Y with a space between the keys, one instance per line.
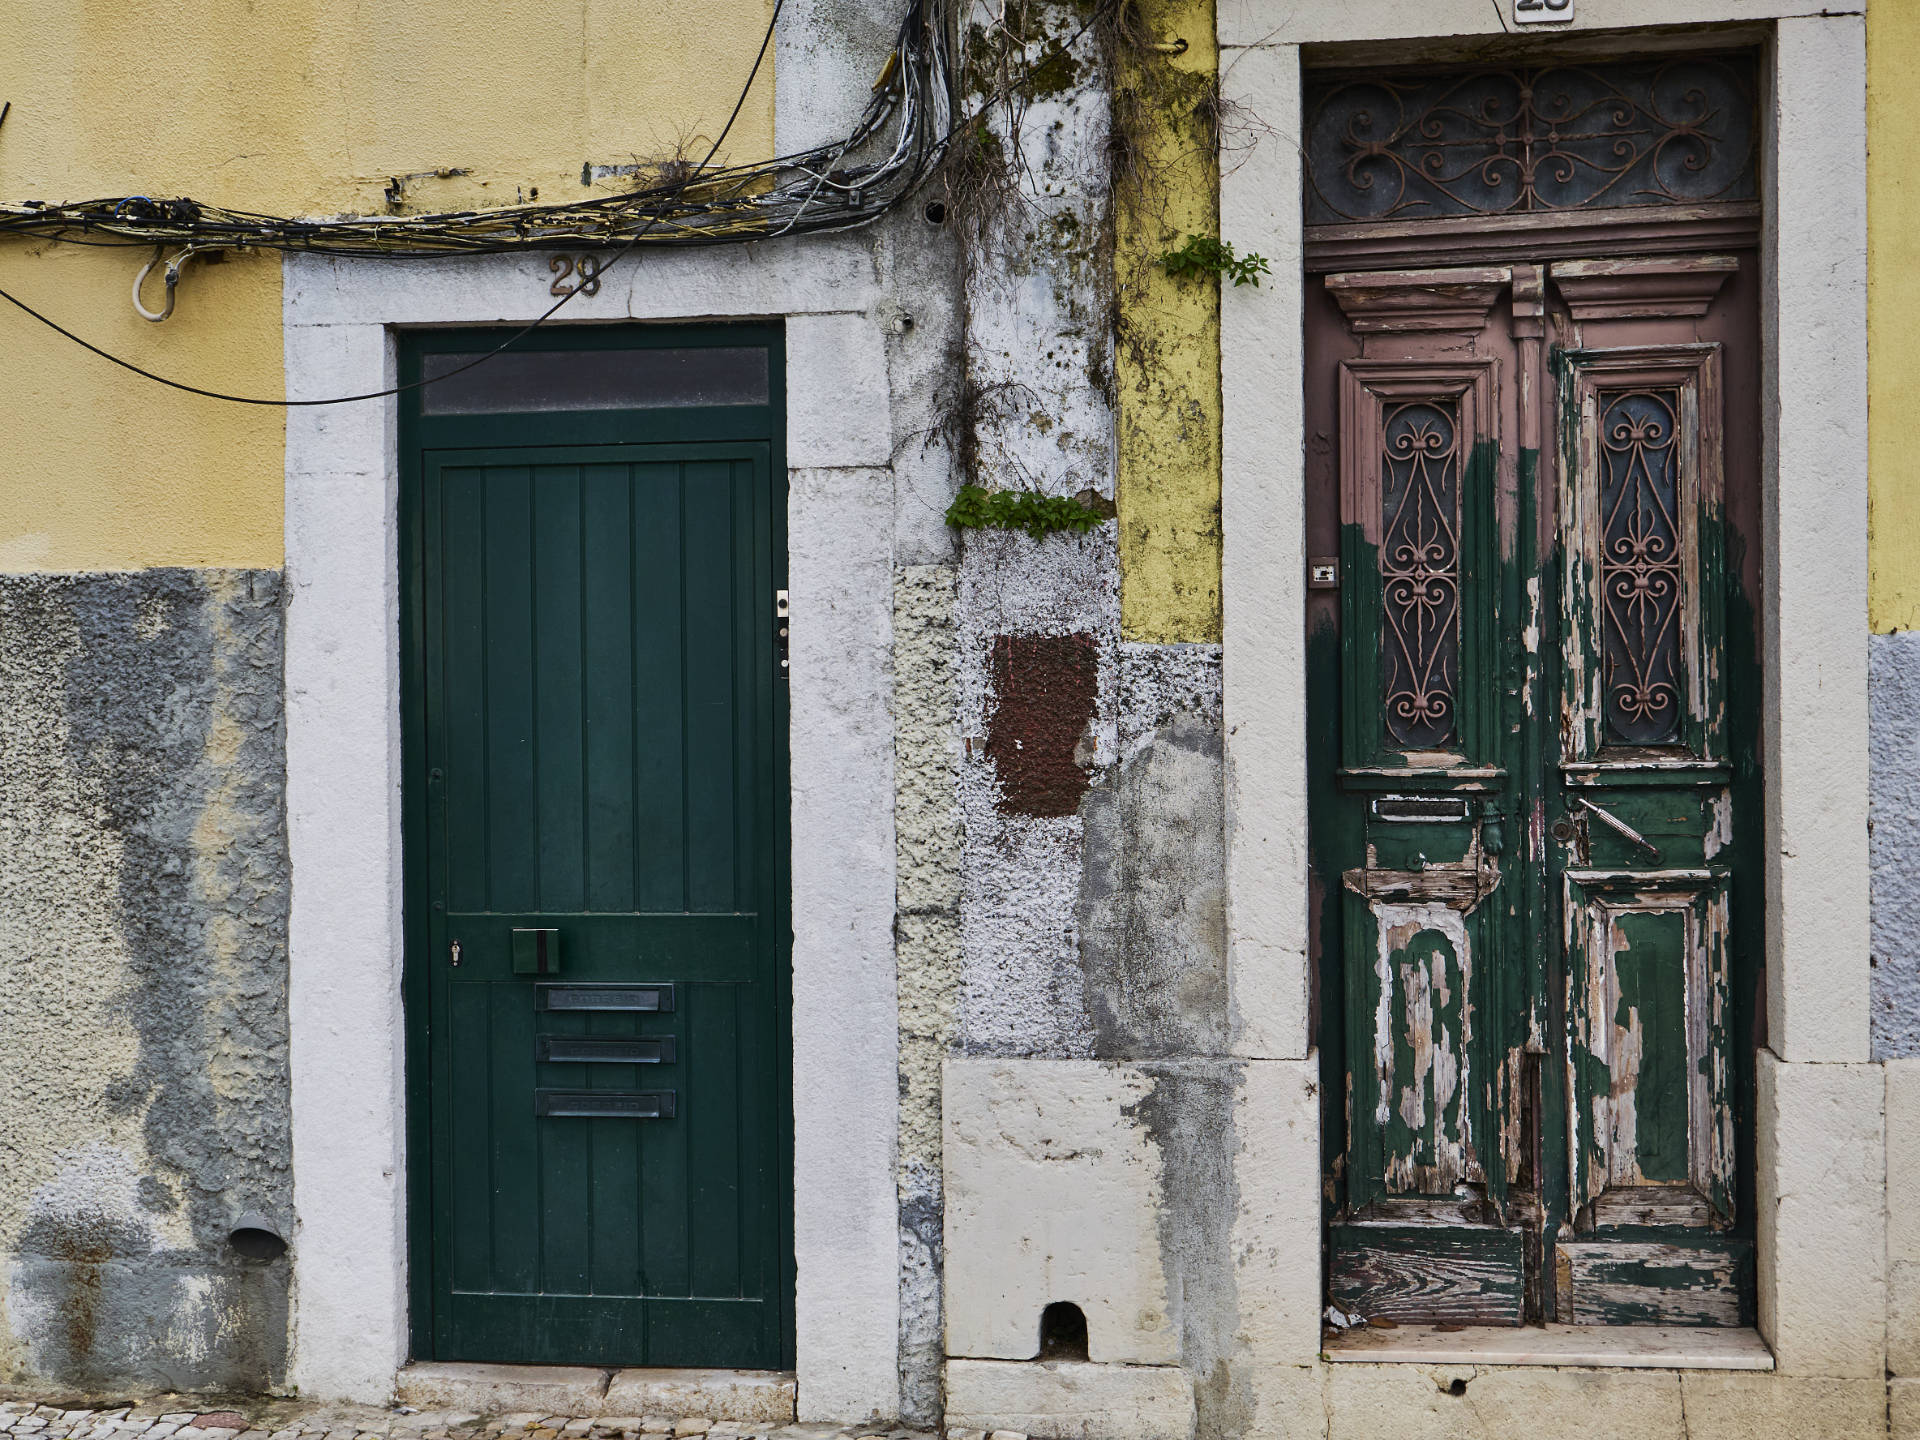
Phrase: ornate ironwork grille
x=1562 y=137
x=1641 y=588
x=1420 y=571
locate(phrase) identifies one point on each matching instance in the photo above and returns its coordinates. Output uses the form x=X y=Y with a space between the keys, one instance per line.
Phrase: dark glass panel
x=1420 y=572
x=1640 y=581
x=1492 y=142
x=546 y=380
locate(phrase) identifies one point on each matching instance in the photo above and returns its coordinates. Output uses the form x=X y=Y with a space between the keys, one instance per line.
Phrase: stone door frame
x=341 y=318
x=1820 y=1102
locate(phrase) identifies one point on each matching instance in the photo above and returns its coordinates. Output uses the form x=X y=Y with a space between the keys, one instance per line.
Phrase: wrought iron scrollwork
x=1420 y=572
x=1641 y=588
x=1492 y=142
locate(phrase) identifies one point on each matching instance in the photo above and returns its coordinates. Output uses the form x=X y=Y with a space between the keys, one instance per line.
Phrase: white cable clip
x=172 y=278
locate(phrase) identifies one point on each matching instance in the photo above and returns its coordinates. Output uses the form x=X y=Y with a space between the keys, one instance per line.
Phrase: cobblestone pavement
x=174 y=1417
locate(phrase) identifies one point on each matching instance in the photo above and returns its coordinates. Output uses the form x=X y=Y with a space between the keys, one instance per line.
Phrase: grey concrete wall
x=1894 y=718
x=143 y=897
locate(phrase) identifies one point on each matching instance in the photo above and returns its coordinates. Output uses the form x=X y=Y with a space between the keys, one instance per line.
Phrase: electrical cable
x=547 y=314
x=918 y=81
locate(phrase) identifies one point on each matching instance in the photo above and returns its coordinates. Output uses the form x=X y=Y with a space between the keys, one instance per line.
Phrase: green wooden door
x=1532 y=506
x=595 y=828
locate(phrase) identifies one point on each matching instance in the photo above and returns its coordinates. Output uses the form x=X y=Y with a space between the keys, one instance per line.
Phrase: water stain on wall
x=145 y=900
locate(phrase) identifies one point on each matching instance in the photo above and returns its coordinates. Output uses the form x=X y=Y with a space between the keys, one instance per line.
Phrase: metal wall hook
x=172 y=278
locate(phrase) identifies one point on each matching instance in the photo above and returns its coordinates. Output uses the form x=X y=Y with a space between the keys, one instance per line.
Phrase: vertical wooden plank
x=712 y=589
x=753 y=609
x=1422 y=1048
x=1648 y=960
x=608 y=620
x=713 y=1160
x=516 y=1160
x=511 y=775
x=1588 y=1037
x=1710 y=1055
x=663 y=1188
x=659 y=688
x=462 y=663
x=469 y=1193
x=559 y=701
x=567 y=1218
x=614 y=1198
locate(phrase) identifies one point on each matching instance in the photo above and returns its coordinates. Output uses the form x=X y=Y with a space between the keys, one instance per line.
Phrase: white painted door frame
x=343 y=784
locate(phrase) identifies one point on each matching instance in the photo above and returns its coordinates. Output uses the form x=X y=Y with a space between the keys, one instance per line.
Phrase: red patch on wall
x=1044 y=687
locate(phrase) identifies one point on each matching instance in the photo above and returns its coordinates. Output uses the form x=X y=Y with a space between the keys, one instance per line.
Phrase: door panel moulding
x=343 y=762
x=1813 y=484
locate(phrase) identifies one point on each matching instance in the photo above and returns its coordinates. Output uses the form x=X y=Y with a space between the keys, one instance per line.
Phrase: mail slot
x=605 y=1104
x=1421 y=809
x=577 y=1049
x=646 y=999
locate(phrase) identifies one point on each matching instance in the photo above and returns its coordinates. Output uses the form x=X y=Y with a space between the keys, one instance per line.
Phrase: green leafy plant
x=976 y=507
x=1205 y=255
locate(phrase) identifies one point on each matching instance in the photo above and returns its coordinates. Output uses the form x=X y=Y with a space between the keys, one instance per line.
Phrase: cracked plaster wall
x=1090 y=916
x=143 y=893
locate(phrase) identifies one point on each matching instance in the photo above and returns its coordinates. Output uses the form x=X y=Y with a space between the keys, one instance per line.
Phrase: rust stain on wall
x=1044 y=688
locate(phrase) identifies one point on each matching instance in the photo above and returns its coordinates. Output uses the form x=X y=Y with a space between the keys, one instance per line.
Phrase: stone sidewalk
x=174 y=1417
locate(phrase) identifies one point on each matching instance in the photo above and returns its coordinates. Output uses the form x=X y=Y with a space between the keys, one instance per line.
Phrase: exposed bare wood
x=1429 y=1275
x=1611 y=1282
x=1447 y=1211
x=1650 y=1205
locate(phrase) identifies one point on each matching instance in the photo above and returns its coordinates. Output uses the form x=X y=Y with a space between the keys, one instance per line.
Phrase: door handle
x=1618 y=826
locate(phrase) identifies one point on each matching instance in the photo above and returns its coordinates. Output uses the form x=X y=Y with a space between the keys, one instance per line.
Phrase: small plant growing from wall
x=1205 y=255
x=1040 y=515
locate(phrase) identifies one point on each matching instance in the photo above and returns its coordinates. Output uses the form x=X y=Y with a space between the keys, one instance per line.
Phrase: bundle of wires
x=898 y=142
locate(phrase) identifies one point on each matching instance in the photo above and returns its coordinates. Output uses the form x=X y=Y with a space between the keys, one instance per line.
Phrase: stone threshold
x=764 y=1397
x=1614 y=1347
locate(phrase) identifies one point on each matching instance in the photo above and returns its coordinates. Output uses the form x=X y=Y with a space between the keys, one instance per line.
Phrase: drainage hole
x=1063 y=1332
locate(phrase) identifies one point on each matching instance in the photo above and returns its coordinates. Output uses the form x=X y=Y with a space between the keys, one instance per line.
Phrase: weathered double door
x=1532 y=508
x=594 y=819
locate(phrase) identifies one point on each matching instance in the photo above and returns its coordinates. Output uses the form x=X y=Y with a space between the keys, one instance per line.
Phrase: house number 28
x=1541 y=12
x=586 y=267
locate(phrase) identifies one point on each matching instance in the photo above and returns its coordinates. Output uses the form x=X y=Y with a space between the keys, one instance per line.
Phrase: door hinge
x=782 y=610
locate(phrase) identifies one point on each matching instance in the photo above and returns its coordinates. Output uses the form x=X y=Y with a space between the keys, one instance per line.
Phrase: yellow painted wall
x=1167 y=357
x=1893 y=302
x=290 y=107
